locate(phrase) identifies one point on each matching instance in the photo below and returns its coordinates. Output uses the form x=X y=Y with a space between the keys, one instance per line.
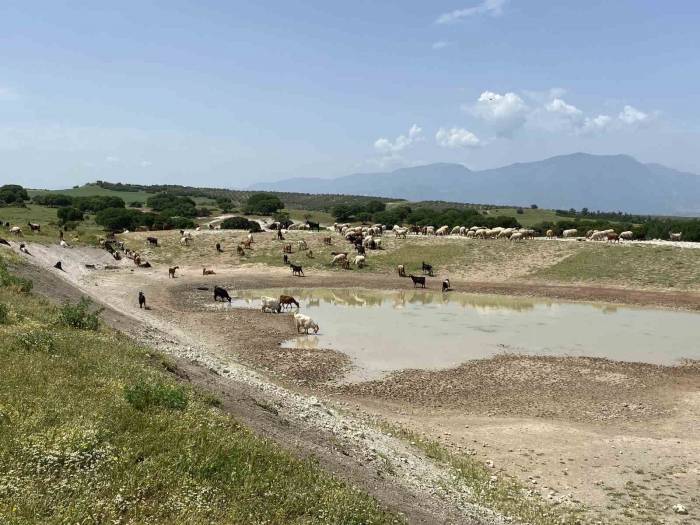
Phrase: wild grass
x=92 y=429
x=635 y=266
x=86 y=232
x=502 y=494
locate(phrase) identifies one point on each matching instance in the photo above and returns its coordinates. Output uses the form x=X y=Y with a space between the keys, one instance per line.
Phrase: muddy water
x=385 y=331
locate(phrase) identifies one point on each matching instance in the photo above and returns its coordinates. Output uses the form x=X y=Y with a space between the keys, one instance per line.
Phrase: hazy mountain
x=597 y=182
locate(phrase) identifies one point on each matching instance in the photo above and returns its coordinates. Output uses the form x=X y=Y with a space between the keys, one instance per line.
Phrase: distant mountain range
x=596 y=182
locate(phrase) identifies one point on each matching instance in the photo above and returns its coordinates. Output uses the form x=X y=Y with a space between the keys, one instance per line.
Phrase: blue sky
x=228 y=93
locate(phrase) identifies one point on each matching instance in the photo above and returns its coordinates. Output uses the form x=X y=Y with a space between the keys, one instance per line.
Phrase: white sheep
x=627 y=235
x=442 y=230
x=339 y=258
x=570 y=233
x=269 y=304
x=517 y=236
x=306 y=323
x=359 y=261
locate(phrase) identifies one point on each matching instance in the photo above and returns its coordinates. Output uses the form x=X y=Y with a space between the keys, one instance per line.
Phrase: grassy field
x=93 y=430
x=127 y=196
x=630 y=265
x=87 y=231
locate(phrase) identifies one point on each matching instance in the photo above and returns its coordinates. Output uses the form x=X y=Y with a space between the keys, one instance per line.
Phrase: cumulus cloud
x=440 y=44
x=596 y=124
x=487 y=7
x=631 y=115
x=505 y=113
x=456 y=138
x=388 y=147
x=559 y=106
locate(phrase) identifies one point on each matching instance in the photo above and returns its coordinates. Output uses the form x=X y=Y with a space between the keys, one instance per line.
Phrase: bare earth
x=621 y=439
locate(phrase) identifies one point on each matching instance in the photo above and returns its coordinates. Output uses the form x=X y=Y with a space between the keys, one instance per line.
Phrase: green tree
x=263 y=204
x=69 y=213
x=240 y=223
x=13 y=194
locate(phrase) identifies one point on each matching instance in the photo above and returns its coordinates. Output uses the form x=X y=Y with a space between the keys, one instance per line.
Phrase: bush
x=115 y=219
x=35 y=340
x=203 y=212
x=136 y=204
x=13 y=194
x=69 y=214
x=263 y=204
x=79 y=316
x=170 y=205
x=533 y=206
x=96 y=203
x=53 y=200
x=143 y=395
x=519 y=211
x=240 y=223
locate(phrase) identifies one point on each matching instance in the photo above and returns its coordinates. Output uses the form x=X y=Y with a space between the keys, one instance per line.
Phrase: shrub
x=143 y=395
x=136 y=204
x=79 y=316
x=240 y=223
x=4 y=314
x=115 y=219
x=263 y=204
x=13 y=194
x=170 y=205
x=69 y=214
x=519 y=211
x=96 y=203
x=53 y=199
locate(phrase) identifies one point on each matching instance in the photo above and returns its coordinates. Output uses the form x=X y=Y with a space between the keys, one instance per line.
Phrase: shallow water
x=384 y=331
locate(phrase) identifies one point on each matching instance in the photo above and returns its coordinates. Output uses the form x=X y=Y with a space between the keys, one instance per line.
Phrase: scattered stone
x=679 y=509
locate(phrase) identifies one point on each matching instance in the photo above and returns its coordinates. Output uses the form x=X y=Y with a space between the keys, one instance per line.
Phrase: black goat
x=418 y=280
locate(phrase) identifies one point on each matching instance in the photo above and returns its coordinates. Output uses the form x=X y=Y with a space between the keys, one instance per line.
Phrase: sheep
x=268 y=304
x=550 y=234
x=442 y=230
x=598 y=236
x=207 y=272
x=327 y=241
x=221 y=293
x=455 y=231
x=613 y=237
x=400 y=232
x=305 y=322
x=250 y=238
x=570 y=233
x=359 y=261
x=16 y=230
x=675 y=236
x=302 y=244
x=517 y=236
x=470 y=234
x=401 y=270
x=64 y=244
x=627 y=235
x=288 y=300
x=418 y=280
x=171 y=272
x=22 y=247
x=339 y=258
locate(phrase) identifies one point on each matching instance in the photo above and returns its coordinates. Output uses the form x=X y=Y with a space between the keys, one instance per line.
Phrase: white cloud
x=387 y=147
x=631 y=115
x=559 y=106
x=505 y=113
x=145 y=163
x=599 y=123
x=440 y=44
x=490 y=7
x=456 y=138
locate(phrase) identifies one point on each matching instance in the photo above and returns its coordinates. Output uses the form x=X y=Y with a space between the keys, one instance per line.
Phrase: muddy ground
x=620 y=438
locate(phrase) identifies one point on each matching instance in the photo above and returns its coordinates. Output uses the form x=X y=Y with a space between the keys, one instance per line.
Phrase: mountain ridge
x=577 y=180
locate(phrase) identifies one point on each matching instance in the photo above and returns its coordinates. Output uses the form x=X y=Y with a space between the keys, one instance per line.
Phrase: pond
x=384 y=331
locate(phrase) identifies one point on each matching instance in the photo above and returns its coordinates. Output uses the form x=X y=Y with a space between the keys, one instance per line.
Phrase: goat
x=446 y=285
x=218 y=248
x=327 y=241
x=16 y=230
x=240 y=250
x=427 y=269
x=3 y=241
x=401 y=270
x=297 y=270
x=34 y=227
x=305 y=322
x=207 y=272
x=287 y=248
x=418 y=280
x=268 y=304
x=288 y=300
x=285 y=258
x=142 y=300
x=152 y=241
x=171 y=272
x=221 y=293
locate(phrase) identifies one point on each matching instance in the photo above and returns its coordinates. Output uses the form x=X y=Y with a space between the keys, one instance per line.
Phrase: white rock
x=679 y=509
